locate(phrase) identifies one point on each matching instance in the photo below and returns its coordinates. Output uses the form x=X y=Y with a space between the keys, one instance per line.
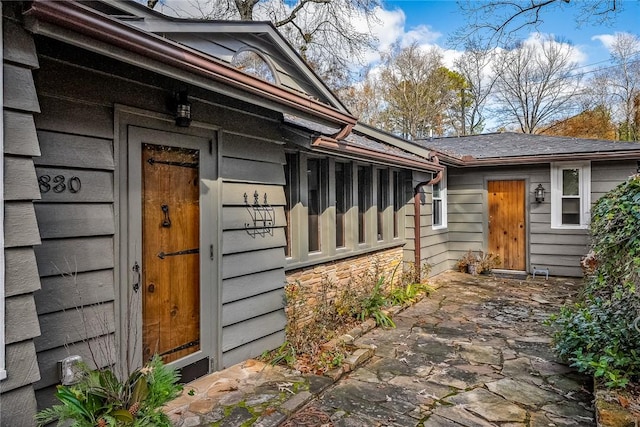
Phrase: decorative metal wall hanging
x=263 y=216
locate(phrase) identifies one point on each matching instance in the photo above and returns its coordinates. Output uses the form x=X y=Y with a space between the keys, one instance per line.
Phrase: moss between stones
x=257 y=411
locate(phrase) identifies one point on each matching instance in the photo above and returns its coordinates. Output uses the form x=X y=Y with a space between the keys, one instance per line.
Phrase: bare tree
x=498 y=22
x=536 y=83
x=365 y=99
x=417 y=92
x=619 y=85
x=475 y=66
x=329 y=34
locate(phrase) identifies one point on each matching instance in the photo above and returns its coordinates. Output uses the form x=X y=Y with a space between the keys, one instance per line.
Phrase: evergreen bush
x=598 y=334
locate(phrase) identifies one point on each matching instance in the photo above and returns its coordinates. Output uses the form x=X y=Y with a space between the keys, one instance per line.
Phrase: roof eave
x=469 y=161
x=93 y=24
x=343 y=148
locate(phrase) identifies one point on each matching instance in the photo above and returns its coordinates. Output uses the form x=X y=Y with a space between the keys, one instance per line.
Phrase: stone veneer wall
x=325 y=280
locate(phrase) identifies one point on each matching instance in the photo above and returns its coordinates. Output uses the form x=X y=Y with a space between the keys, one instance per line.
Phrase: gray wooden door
x=171 y=232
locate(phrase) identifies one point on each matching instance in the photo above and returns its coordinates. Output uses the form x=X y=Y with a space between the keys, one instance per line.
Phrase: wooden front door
x=170 y=234
x=170 y=251
x=507 y=229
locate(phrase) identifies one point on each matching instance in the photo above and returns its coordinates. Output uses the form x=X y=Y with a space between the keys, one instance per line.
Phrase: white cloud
x=607 y=40
x=390 y=29
x=575 y=53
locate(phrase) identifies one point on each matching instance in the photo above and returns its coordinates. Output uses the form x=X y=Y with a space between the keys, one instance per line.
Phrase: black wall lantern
x=539 y=192
x=183 y=109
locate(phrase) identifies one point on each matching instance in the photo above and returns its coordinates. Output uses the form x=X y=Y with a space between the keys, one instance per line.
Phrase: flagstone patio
x=474 y=353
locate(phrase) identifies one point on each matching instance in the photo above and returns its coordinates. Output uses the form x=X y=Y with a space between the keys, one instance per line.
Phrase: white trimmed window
x=570 y=195
x=439 y=204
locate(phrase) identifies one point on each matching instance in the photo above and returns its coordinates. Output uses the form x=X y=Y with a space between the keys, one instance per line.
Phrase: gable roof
x=100 y=30
x=223 y=39
x=520 y=148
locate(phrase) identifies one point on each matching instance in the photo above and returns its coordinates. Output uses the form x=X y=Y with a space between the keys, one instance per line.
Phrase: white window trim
x=3 y=371
x=443 y=197
x=584 y=187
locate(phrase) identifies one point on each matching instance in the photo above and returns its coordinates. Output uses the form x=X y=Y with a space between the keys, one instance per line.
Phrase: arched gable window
x=252 y=62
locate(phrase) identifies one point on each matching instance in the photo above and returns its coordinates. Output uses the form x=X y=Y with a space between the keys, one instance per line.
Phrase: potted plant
x=488 y=261
x=469 y=263
x=101 y=399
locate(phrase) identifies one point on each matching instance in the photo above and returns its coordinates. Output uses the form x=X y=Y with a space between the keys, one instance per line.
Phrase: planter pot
x=472 y=269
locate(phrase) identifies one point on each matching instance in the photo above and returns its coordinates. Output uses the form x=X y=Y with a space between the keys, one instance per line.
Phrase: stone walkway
x=475 y=353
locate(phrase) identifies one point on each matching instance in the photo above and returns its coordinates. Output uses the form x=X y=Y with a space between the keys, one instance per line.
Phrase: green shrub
x=597 y=334
x=101 y=399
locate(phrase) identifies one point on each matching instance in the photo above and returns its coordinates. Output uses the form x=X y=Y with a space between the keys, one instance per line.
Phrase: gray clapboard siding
x=20 y=182
x=459 y=248
x=233 y=194
x=21 y=271
x=546 y=228
x=22 y=367
x=258 y=305
x=63 y=115
x=20 y=225
x=240 y=264
x=75 y=290
x=252 y=171
x=19 y=90
x=561 y=248
x=237 y=218
x=77 y=255
x=63 y=149
x=102 y=348
x=245 y=332
x=241 y=287
x=18 y=406
x=455 y=207
x=465 y=227
x=549 y=239
x=20 y=137
x=235 y=241
x=21 y=321
x=465 y=217
x=74 y=220
x=18 y=46
x=65 y=327
x=436 y=257
x=241 y=147
x=95 y=186
x=252 y=349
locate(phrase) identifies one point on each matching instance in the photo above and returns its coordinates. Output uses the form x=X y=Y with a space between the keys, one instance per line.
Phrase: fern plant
x=101 y=399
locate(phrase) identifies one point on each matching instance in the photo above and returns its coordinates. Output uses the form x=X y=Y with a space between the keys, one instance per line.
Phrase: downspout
x=416 y=215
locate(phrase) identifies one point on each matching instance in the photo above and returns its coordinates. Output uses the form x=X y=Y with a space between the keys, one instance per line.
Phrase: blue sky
x=443 y=17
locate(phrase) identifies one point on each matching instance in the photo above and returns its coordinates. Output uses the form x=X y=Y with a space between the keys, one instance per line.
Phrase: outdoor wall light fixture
x=183 y=109
x=70 y=370
x=539 y=193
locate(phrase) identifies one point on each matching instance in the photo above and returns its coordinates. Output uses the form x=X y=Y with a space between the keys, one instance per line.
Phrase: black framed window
x=291 y=192
x=364 y=200
x=343 y=201
x=382 y=200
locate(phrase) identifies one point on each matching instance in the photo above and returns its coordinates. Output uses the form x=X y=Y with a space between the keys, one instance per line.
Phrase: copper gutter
x=417 y=235
x=469 y=161
x=345 y=148
x=71 y=15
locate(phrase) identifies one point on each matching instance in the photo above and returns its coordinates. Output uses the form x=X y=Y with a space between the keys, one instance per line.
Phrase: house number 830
x=59 y=183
